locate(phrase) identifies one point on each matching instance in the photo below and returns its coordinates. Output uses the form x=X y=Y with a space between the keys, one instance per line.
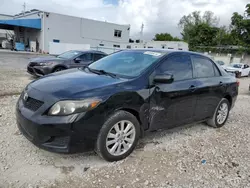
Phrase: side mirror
x=77 y=60
x=164 y=78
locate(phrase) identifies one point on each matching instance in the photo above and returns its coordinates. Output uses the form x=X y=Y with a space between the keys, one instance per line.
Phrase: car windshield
x=220 y=62
x=236 y=65
x=127 y=63
x=69 y=54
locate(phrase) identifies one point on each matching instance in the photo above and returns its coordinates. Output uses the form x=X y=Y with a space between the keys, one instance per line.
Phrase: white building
x=47 y=27
x=176 y=45
x=3 y=32
x=54 y=31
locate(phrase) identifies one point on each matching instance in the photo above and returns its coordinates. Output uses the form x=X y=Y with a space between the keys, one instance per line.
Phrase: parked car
x=239 y=69
x=71 y=59
x=221 y=63
x=108 y=105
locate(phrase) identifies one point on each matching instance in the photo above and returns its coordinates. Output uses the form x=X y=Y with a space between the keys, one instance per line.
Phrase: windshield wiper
x=106 y=73
x=101 y=72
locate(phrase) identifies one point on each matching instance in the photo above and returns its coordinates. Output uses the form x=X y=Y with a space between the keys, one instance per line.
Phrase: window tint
x=127 y=63
x=216 y=71
x=98 y=56
x=203 y=67
x=179 y=66
x=237 y=66
x=86 y=57
x=246 y=66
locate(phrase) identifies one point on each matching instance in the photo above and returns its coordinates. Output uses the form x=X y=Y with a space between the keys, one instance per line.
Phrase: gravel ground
x=189 y=156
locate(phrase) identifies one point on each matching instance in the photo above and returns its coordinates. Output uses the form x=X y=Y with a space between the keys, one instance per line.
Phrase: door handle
x=221 y=83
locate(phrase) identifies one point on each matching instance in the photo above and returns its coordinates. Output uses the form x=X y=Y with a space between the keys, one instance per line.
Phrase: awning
x=29 y=23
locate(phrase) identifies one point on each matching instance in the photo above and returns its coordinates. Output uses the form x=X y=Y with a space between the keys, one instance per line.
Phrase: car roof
x=89 y=51
x=167 y=51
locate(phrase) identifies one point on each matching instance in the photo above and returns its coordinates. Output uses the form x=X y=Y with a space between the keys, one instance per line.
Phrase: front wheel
x=118 y=136
x=220 y=115
x=58 y=69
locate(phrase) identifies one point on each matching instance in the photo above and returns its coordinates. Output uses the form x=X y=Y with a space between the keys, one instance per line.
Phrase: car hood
x=232 y=69
x=76 y=84
x=46 y=59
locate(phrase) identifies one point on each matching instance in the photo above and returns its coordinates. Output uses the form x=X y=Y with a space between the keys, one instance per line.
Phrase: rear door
x=174 y=103
x=210 y=86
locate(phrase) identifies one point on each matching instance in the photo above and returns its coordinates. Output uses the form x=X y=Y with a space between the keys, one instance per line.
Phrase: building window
x=118 y=33
x=116 y=46
x=129 y=47
x=56 y=40
x=101 y=44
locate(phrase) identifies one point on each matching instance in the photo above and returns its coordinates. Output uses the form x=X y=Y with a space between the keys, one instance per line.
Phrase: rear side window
x=180 y=66
x=204 y=68
x=98 y=56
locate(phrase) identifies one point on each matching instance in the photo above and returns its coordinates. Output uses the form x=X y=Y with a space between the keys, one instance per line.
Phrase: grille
x=32 y=104
x=33 y=64
x=30 y=69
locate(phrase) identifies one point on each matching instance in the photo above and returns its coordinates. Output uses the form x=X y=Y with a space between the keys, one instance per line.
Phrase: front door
x=82 y=60
x=245 y=70
x=173 y=104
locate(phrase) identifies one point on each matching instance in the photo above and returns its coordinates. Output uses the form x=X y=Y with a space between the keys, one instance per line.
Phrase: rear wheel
x=58 y=69
x=238 y=75
x=118 y=136
x=220 y=115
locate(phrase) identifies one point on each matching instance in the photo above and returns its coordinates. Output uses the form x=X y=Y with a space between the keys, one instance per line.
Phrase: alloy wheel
x=222 y=113
x=120 y=138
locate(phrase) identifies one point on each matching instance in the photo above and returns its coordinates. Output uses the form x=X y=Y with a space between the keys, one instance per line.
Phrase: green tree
x=165 y=37
x=199 y=30
x=240 y=25
x=189 y=23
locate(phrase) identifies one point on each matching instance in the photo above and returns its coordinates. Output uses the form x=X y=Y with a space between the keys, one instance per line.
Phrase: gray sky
x=157 y=15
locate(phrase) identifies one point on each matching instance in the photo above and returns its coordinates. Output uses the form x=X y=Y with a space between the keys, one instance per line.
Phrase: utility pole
x=141 y=33
x=24 y=8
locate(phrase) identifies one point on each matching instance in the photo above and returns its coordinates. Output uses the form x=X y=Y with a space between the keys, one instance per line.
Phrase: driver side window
x=179 y=66
x=246 y=66
x=86 y=57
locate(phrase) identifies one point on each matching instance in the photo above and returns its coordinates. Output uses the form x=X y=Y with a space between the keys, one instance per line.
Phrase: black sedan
x=108 y=105
x=72 y=59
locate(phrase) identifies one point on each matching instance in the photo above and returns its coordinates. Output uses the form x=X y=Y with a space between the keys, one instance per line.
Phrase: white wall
x=33 y=15
x=69 y=29
x=58 y=48
x=176 y=45
x=5 y=17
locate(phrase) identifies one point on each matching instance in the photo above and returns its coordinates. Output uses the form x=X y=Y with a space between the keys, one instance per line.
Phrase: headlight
x=46 y=63
x=63 y=108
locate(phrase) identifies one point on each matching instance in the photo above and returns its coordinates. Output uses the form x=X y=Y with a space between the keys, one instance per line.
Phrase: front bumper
x=39 y=70
x=56 y=134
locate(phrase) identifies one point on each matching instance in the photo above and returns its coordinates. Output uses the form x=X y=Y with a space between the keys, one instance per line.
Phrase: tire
x=238 y=75
x=109 y=138
x=217 y=122
x=58 y=69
